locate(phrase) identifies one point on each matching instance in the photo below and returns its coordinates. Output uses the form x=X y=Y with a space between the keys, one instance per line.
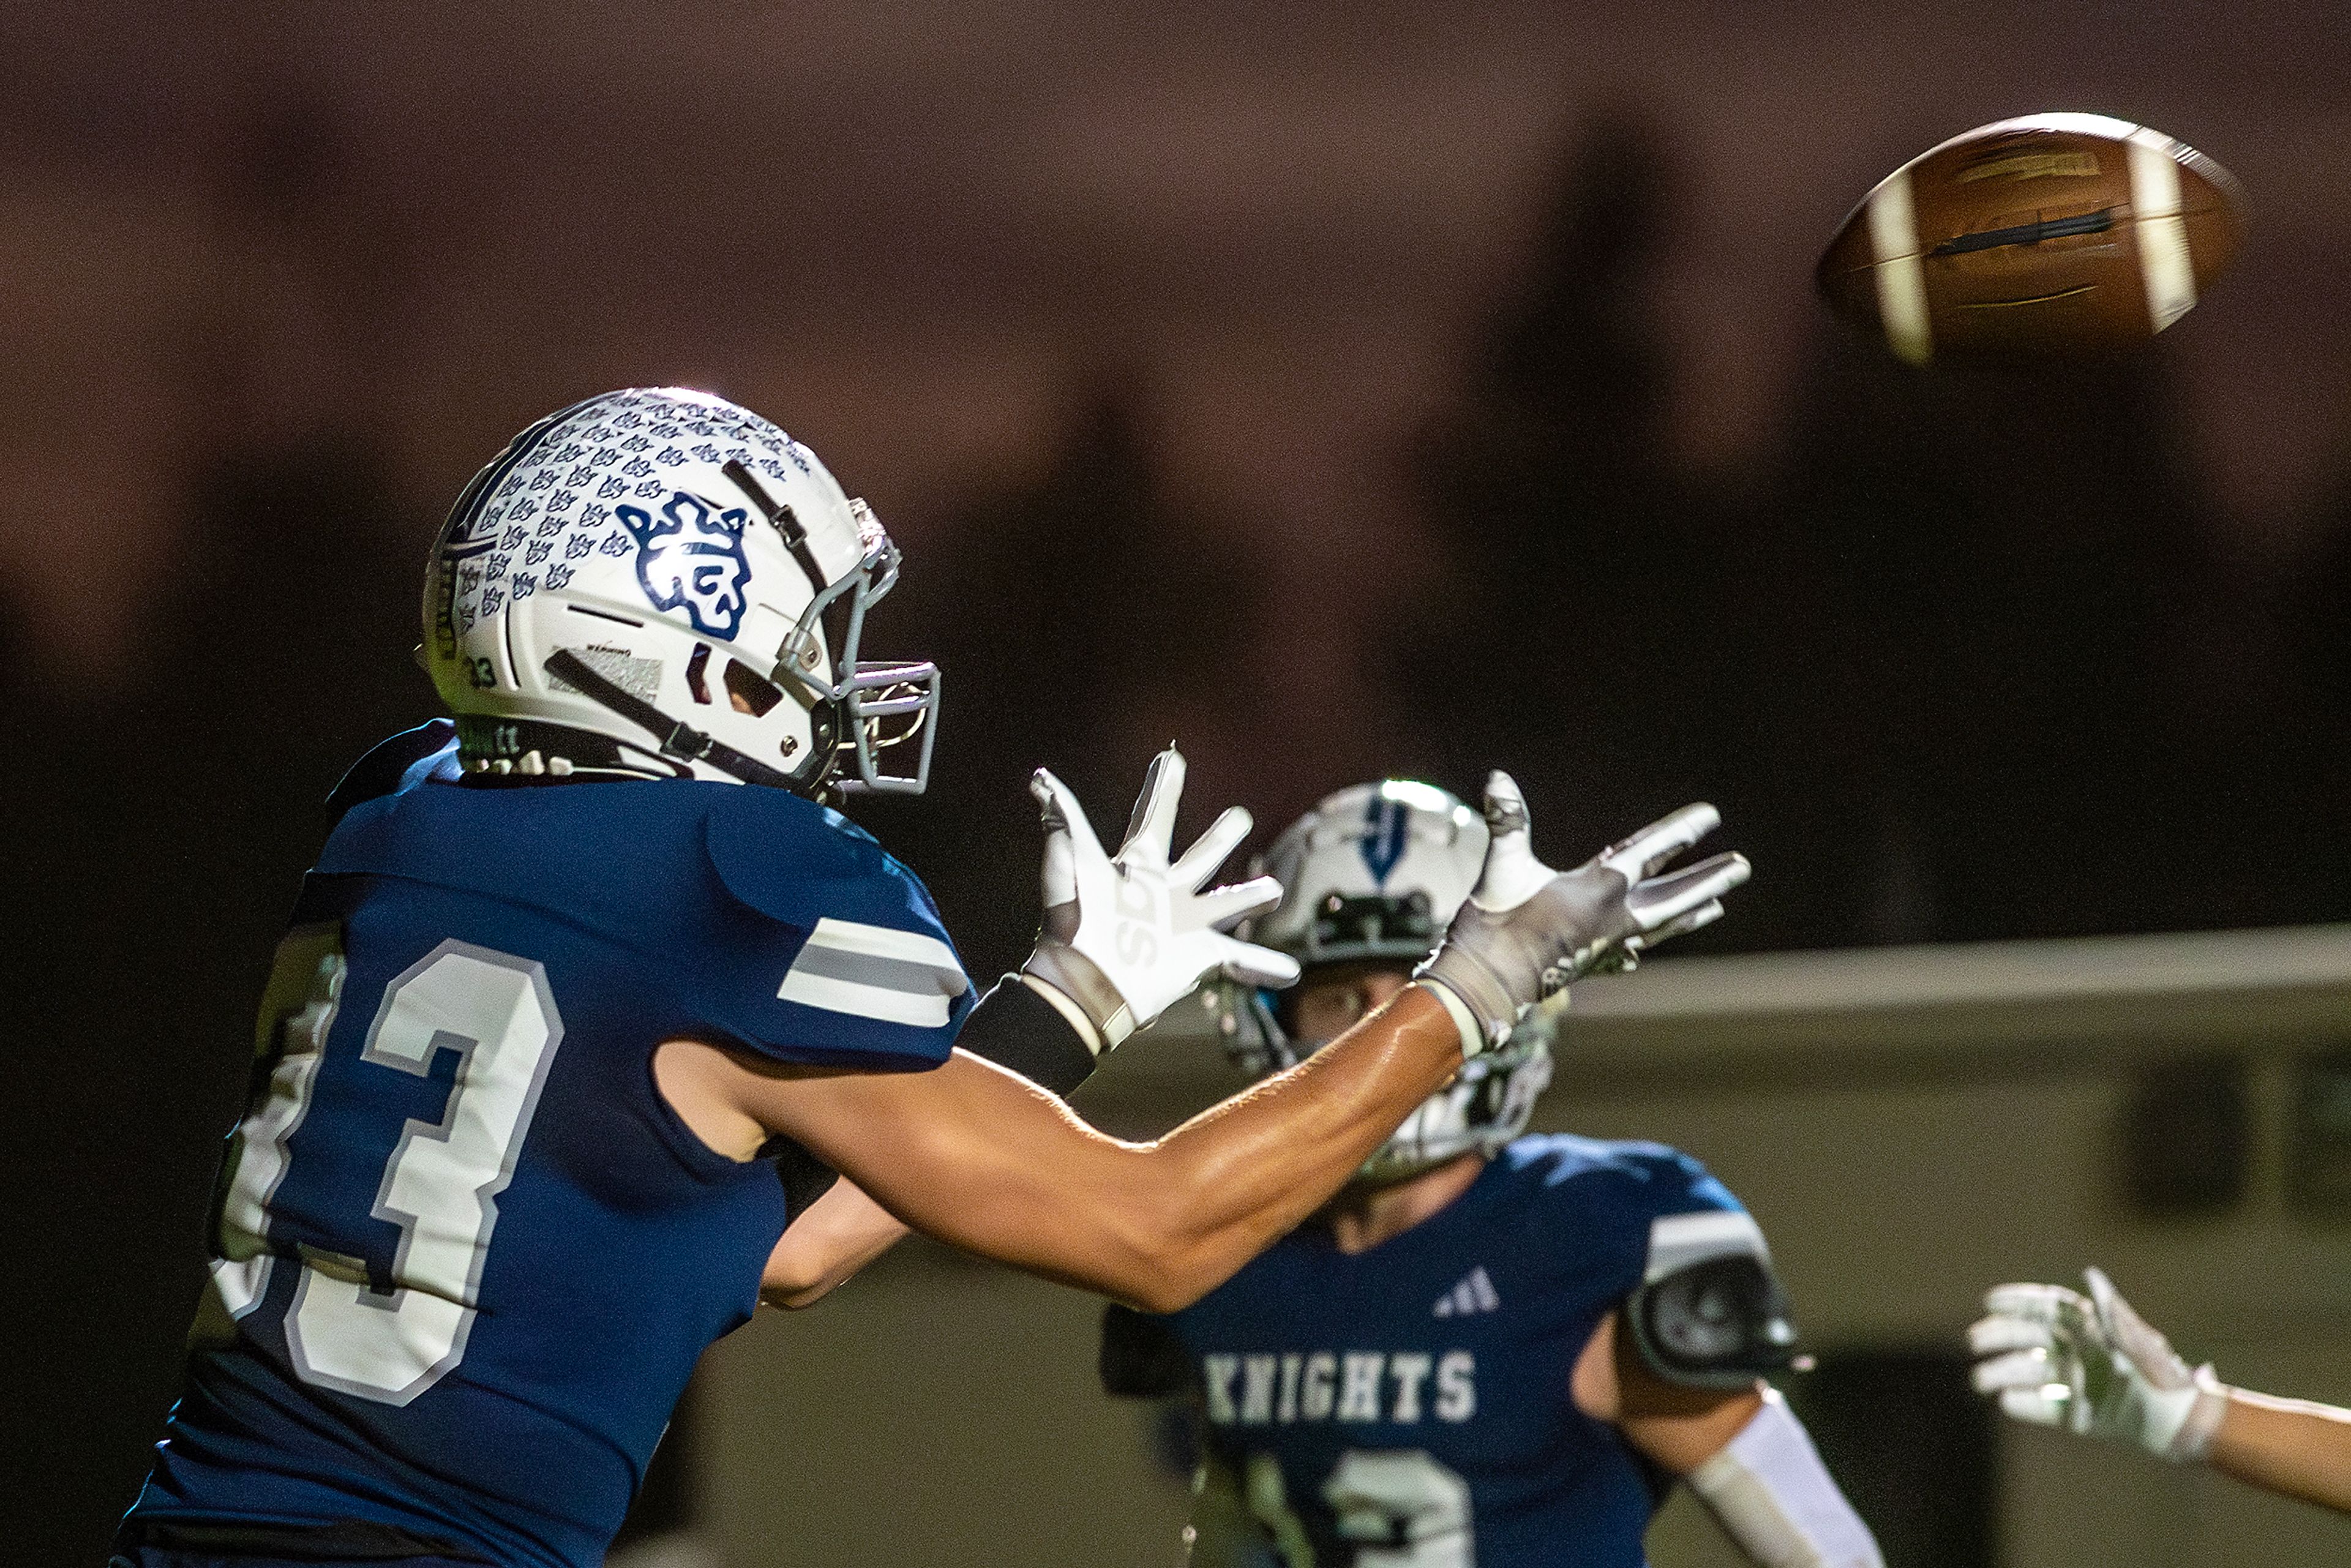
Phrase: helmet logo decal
x=691 y=556
x=1385 y=826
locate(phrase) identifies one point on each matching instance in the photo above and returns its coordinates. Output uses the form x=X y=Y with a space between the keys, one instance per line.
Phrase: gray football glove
x=1127 y=935
x=1528 y=930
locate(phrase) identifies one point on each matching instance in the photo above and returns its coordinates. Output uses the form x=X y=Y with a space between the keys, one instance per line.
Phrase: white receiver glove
x=1528 y=930
x=1124 y=937
x=2090 y=1364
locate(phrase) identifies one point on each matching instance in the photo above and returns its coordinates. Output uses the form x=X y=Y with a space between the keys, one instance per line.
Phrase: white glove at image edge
x=2092 y=1366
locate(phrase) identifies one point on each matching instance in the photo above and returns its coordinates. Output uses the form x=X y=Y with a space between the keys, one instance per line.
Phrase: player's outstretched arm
x=983 y=1158
x=2296 y=1447
x=840 y=1233
x=1741 y=1450
x=2090 y=1365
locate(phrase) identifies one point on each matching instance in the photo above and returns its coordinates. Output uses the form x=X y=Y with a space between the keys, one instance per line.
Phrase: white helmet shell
x=1374 y=871
x=638 y=584
x=1373 y=875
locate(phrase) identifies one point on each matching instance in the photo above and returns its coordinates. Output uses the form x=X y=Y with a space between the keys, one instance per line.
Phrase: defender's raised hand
x=1528 y=930
x=1127 y=935
x=2090 y=1365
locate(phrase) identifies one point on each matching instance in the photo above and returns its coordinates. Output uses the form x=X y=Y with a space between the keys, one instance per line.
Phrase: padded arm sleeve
x=1710 y=1313
x=1773 y=1496
x=1014 y=1026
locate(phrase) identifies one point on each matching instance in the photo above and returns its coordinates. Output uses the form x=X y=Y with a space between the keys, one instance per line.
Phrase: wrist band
x=1473 y=1033
x=1072 y=1014
x=2194 y=1438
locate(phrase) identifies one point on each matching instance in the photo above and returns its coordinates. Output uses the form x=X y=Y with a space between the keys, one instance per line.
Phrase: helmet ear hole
x=751 y=693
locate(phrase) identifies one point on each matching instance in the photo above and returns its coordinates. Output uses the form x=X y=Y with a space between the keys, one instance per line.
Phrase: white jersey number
x=1405 y=1508
x=440 y=1187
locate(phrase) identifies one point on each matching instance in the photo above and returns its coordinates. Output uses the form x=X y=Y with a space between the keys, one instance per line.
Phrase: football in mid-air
x=2036 y=238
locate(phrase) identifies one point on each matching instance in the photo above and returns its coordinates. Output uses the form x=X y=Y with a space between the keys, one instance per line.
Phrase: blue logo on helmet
x=692 y=556
x=1385 y=824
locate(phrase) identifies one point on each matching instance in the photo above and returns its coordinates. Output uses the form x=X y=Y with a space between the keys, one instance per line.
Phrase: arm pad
x=1773 y=1496
x=1015 y=1028
x=1719 y=1323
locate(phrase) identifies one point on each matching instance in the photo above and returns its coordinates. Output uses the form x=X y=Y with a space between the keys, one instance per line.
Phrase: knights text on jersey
x=1410 y=1407
x=466 y=1256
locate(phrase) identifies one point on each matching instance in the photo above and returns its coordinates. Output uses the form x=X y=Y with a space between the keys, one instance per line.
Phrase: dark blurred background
x=1335 y=391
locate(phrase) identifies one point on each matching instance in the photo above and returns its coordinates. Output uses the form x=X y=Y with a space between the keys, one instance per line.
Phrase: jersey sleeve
x=1692 y=1217
x=1624 y=1214
x=823 y=949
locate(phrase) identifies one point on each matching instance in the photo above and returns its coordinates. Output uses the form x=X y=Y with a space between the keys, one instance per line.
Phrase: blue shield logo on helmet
x=691 y=557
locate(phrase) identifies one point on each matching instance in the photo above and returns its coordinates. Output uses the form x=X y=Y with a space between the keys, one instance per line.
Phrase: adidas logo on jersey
x=1474 y=1294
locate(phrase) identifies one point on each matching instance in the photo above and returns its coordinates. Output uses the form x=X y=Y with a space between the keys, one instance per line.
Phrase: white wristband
x=2201 y=1421
x=1472 y=1032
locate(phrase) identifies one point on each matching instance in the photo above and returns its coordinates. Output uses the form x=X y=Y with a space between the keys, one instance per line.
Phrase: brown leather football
x=2034 y=238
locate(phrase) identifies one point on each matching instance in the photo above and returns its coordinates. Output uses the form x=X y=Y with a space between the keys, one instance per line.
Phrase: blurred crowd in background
x=1959 y=655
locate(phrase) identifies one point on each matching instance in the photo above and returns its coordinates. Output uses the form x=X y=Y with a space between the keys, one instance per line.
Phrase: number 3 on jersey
x=441 y=1185
x=1407 y=1510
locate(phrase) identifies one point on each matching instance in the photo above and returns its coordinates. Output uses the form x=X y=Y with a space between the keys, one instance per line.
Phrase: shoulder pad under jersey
x=872 y=975
x=1708 y=1311
x=401 y=762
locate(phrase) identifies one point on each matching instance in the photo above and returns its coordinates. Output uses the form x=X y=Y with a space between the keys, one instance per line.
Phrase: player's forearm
x=841 y=1232
x=1248 y=1170
x=983 y=1159
x=1771 y=1493
x=2287 y=1446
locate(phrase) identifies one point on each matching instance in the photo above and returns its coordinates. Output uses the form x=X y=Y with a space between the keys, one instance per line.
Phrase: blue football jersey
x=1410 y=1405
x=468 y=1255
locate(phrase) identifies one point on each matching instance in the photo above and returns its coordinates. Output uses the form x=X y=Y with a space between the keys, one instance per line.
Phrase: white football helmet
x=1373 y=874
x=641 y=584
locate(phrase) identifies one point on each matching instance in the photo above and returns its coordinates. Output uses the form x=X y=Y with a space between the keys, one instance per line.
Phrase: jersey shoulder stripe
x=769 y=921
x=875 y=972
x=1678 y=1241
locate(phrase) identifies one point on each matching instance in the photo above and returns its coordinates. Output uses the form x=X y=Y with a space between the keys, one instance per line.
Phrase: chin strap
x=676 y=738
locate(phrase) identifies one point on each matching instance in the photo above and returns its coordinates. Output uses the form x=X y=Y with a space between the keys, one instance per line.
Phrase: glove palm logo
x=1138 y=907
x=1126 y=936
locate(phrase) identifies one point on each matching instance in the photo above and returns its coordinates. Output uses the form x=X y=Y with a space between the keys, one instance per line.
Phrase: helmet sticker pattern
x=555 y=501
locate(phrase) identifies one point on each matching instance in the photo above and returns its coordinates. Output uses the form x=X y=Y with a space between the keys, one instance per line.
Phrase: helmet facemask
x=881 y=706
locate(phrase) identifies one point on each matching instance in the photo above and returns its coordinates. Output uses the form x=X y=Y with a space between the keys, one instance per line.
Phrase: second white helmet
x=1373 y=875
